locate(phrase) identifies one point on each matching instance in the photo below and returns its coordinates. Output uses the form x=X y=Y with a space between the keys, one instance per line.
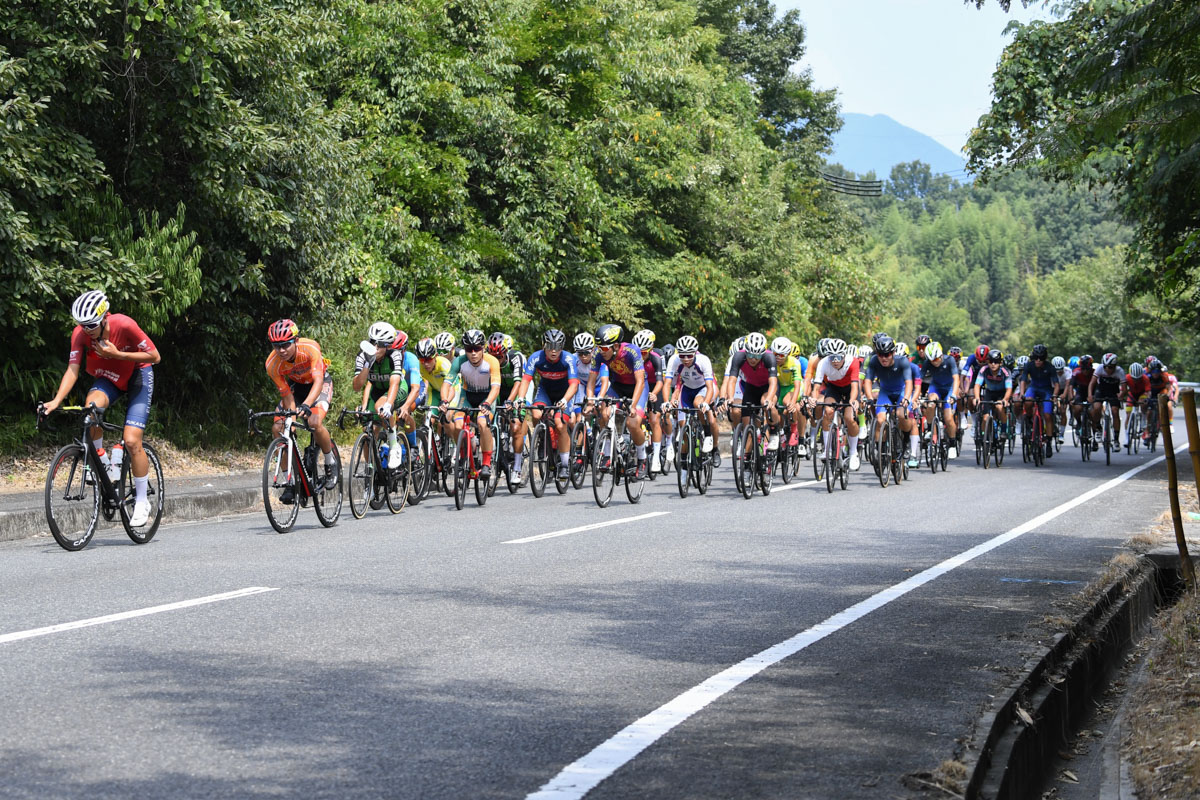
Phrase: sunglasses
x=90 y=328
x=687 y=355
x=379 y=343
x=606 y=348
x=473 y=349
x=283 y=345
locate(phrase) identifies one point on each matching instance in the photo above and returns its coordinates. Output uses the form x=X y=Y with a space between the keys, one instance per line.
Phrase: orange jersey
x=308 y=366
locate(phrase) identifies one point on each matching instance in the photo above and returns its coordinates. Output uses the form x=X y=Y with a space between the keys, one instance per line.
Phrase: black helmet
x=554 y=339
x=995 y=357
x=923 y=339
x=668 y=350
x=608 y=335
x=876 y=337
x=1039 y=351
x=1009 y=360
x=474 y=338
x=884 y=344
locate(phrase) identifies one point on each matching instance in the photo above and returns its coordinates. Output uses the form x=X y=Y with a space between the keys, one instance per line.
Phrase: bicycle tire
x=998 y=447
x=482 y=485
x=766 y=469
x=282 y=516
x=833 y=455
x=67 y=473
x=603 y=478
x=155 y=491
x=1107 y=440
x=398 y=488
x=361 y=477
x=578 y=456
x=818 y=461
x=330 y=498
x=899 y=459
x=683 y=463
x=883 y=454
x=539 y=443
x=420 y=475
x=462 y=469
x=737 y=457
x=749 y=452
x=986 y=444
x=633 y=487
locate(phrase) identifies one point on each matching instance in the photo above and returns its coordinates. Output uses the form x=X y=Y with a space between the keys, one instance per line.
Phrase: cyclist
x=654 y=365
x=435 y=374
x=558 y=382
x=668 y=352
x=512 y=365
x=993 y=384
x=1081 y=379
x=120 y=358
x=969 y=369
x=1064 y=379
x=1107 y=386
x=444 y=342
x=893 y=372
x=627 y=380
x=1137 y=388
x=790 y=371
x=942 y=377
x=729 y=382
x=837 y=381
x=697 y=388
x=380 y=374
x=479 y=373
x=1038 y=382
x=757 y=382
x=1162 y=382
x=299 y=370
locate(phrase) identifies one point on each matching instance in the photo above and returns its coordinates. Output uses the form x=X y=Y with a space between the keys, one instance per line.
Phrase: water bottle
x=384 y=450
x=116 y=456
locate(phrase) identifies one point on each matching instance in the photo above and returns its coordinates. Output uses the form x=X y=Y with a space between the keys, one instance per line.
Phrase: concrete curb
x=1010 y=755
x=176 y=508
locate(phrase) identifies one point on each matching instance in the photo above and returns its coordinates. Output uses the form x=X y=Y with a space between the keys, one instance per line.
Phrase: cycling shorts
x=688 y=395
x=300 y=394
x=993 y=395
x=625 y=391
x=945 y=392
x=886 y=399
x=549 y=398
x=140 y=395
x=838 y=394
x=1040 y=395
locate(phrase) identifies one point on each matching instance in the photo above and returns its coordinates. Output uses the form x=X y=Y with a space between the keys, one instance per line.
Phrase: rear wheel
x=419 y=470
x=817 y=458
x=737 y=456
x=603 y=479
x=362 y=476
x=537 y=460
x=633 y=487
x=462 y=470
x=833 y=456
x=986 y=442
x=278 y=476
x=328 y=502
x=399 y=479
x=72 y=502
x=154 y=493
x=578 y=457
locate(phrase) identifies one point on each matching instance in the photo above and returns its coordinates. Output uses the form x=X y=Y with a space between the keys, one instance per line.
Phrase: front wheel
x=280 y=479
x=633 y=487
x=362 y=476
x=72 y=498
x=603 y=477
x=538 y=461
x=328 y=502
x=462 y=469
x=399 y=480
x=683 y=463
x=578 y=456
x=154 y=493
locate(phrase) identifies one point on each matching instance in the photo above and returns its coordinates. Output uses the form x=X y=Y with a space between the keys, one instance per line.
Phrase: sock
x=657 y=450
x=853 y=444
x=914 y=443
x=139 y=486
x=329 y=460
x=517 y=459
x=641 y=452
x=666 y=442
x=412 y=438
x=392 y=441
x=562 y=458
x=826 y=439
x=487 y=458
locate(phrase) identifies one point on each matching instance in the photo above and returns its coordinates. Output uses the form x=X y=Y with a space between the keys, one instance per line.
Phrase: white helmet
x=837 y=348
x=1022 y=361
x=934 y=351
x=824 y=347
x=444 y=341
x=89 y=308
x=584 y=341
x=756 y=344
x=687 y=345
x=737 y=345
x=1059 y=363
x=381 y=334
x=781 y=346
x=643 y=339
x=1136 y=371
x=901 y=350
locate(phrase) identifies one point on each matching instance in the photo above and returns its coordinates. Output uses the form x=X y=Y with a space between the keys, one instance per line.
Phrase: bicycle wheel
x=462 y=470
x=512 y=478
x=833 y=455
x=154 y=493
x=998 y=447
x=768 y=459
x=539 y=444
x=748 y=449
x=817 y=459
x=1037 y=445
x=603 y=477
x=278 y=476
x=72 y=500
x=986 y=443
x=362 y=476
x=1107 y=439
x=448 y=461
x=501 y=457
x=482 y=484
x=883 y=454
x=578 y=457
x=944 y=449
x=1135 y=432
x=399 y=480
x=420 y=476
x=737 y=456
x=328 y=502
x=704 y=473
x=899 y=460
x=1085 y=439
x=935 y=442
x=633 y=488
x=683 y=462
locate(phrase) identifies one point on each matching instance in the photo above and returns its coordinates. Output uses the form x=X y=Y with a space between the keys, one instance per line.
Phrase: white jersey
x=826 y=372
x=694 y=375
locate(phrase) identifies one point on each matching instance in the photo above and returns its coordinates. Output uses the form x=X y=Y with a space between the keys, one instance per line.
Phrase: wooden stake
x=1185 y=560
x=1189 y=412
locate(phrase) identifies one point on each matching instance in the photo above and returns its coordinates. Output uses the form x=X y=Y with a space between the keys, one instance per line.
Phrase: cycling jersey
x=843 y=376
x=1160 y=382
x=624 y=365
x=477 y=378
x=126 y=336
x=436 y=372
x=1081 y=379
x=892 y=379
x=998 y=381
x=306 y=368
x=511 y=370
x=940 y=376
x=791 y=371
x=693 y=376
x=1108 y=385
x=380 y=375
x=654 y=366
x=753 y=375
x=1137 y=387
x=1043 y=378
x=555 y=375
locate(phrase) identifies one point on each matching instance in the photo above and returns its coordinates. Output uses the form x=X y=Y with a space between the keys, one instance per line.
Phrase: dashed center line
x=582 y=528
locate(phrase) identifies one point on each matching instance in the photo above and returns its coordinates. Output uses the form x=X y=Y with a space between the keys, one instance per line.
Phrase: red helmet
x=283 y=330
x=401 y=340
x=981 y=352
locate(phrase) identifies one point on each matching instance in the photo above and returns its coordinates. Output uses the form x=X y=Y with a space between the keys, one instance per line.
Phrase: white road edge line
x=84 y=623
x=577 y=779
x=593 y=526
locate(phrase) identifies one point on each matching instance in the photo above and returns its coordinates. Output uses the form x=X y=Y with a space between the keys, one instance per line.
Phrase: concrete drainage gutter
x=1015 y=744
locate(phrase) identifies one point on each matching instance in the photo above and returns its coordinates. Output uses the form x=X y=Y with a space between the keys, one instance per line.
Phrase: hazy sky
x=925 y=63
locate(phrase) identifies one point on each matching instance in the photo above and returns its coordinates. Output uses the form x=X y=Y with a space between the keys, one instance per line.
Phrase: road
x=426 y=655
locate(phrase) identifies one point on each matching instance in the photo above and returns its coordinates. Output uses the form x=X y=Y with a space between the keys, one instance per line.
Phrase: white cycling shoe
x=141 y=514
x=855 y=463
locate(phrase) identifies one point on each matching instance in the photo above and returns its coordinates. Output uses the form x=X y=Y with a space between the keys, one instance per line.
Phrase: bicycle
x=1136 y=427
x=936 y=453
x=285 y=470
x=753 y=461
x=891 y=459
x=693 y=466
x=469 y=460
x=1085 y=434
x=79 y=489
x=1152 y=424
x=504 y=456
x=372 y=483
x=614 y=459
x=992 y=441
x=582 y=441
x=543 y=453
x=1106 y=429
x=1033 y=442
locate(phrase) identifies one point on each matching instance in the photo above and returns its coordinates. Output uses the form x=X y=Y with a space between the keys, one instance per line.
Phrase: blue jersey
x=1042 y=377
x=891 y=379
x=997 y=381
x=554 y=374
x=943 y=375
x=970 y=368
x=412 y=370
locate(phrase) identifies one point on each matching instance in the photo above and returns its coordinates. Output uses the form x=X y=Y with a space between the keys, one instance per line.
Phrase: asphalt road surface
x=722 y=648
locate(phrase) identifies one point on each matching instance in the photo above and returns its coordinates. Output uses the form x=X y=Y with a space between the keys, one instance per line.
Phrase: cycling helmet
x=381 y=334
x=1058 y=363
x=981 y=352
x=508 y=342
x=934 y=351
x=426 y=348
x=1156 y=366
x=922 y=339
x=1074 y=362
x=1136 y=370
x=584 y=341
x=1085 y=361
x=1039 y=351
x=876 y=337
x=1109 y=360
x=864 y=351
x=995 y=357
x=283 y=330
x=554 y=339
x=885 y=345
x=796 y=351
x=1010 y=360
x=668 y=350
x=495 y=344
x=1150 y=360
x=901 y=349
x=608 y=335
x=824 y=347
x=643 y=339
x=781 y=346
x=474 y=338
x=444 y=341
x=401 y=340
x=956 y=351
x=756 y=345
x=90 y=307
x=1022 y=362
x=838 y=349
x=737 y=345
x=687 y=346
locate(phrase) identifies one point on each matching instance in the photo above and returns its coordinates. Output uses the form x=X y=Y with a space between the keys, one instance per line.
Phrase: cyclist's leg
x=103 y=393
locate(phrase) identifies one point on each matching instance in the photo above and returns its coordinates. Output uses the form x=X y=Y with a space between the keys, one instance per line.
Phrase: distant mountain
x=878 y=142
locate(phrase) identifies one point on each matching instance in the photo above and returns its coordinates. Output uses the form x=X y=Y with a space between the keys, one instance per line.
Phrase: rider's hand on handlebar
x=305 y=409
